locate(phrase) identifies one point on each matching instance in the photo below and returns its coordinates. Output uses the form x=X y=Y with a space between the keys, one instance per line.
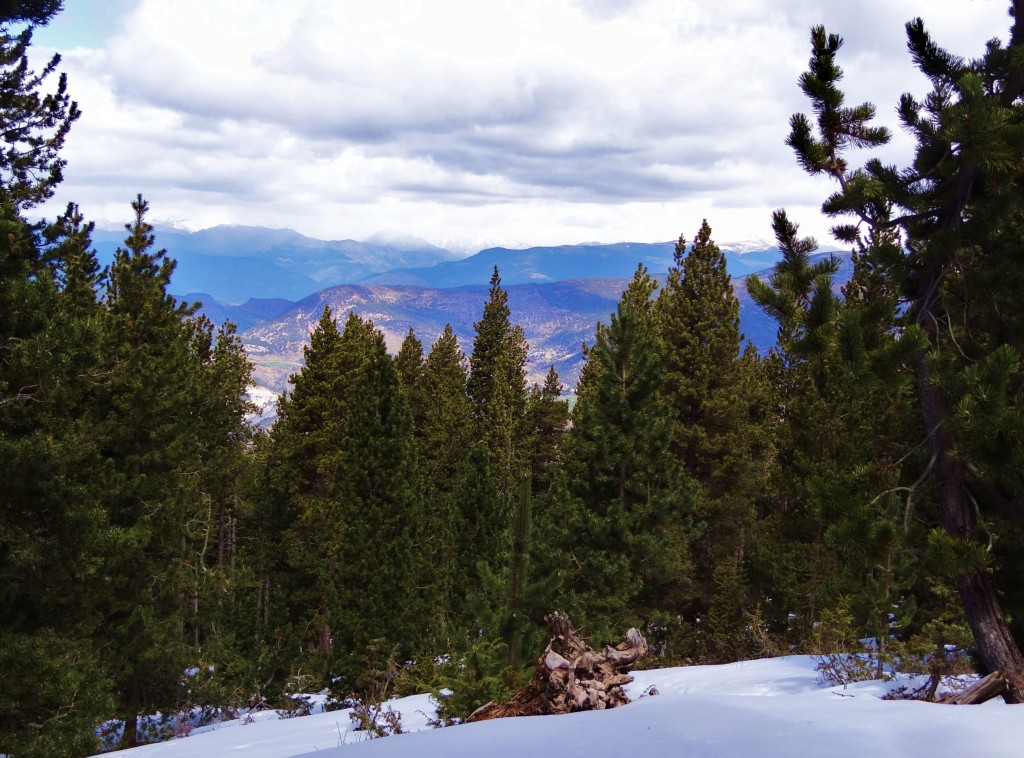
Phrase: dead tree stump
x=570 y=676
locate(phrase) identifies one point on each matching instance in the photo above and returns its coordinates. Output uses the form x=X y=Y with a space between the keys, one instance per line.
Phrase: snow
x=773 y=707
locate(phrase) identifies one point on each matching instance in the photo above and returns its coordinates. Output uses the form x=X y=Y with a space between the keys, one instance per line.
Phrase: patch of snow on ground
x=773 y=707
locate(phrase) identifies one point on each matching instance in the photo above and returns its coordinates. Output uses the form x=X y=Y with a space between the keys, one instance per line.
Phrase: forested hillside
x=414 y=513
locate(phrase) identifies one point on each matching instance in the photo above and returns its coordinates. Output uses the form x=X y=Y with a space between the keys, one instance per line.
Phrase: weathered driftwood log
x=570 y=676
x=983 y=690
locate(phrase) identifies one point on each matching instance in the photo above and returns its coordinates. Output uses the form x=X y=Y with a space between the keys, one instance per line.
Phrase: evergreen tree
x=958 y=207
x=411 y=367
x=632 y=522
x=35 y=124
x=713 y=395
x=446 y=430
x=213 y=574
x=146 y=457
x=50 y=530
x=548 y=417
x=344 y=458
x=311 y=426
x=445 y=439
x=497 y=389
x=57 y=690
x=380 y=523
x=840 y=541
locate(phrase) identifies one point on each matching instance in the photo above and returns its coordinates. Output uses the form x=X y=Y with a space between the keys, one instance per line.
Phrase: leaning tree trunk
x=570 y=676
x=998 y=649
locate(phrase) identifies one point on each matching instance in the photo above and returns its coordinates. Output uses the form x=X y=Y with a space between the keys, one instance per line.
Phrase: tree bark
x=998 y=649
x=982 y=691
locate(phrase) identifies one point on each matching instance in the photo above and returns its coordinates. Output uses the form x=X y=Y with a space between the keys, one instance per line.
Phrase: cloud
x=495 y=118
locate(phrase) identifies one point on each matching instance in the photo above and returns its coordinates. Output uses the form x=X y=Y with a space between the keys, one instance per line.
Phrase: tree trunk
x=130 y=735
x=998 y=650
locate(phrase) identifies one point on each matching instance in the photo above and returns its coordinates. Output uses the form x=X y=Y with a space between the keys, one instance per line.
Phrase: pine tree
x=35 y=126
x=344 y=458
x=212 y=571
x=410 y=364
x=497 y=389
x=380 y=521
x=712 y=393
x=147 y=456
x=446 y=430
x=548 y=417
x=445 y=439
x=311 y=426
x=632 y=524
x=50 y=529
x=841 y=541
x=57 y=690
x=958 y=207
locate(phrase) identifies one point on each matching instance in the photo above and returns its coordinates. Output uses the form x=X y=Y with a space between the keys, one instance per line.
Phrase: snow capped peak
x=399 y=240
x=746 y=246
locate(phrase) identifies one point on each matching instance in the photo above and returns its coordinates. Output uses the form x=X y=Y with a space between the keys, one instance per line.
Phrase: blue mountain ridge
x=562 y=263
x=556 y=318
x=235 y=263
x=232 y=264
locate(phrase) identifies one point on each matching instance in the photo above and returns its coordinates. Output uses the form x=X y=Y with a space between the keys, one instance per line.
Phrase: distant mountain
x=244 y=316
x=564 y=262
x=556 y=319
x=236 y=263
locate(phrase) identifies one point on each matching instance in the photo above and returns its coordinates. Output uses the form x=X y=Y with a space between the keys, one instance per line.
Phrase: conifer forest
x=409 y=520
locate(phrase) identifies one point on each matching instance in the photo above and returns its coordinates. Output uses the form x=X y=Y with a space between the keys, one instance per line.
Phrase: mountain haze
x=235 y=263
x=564 y=262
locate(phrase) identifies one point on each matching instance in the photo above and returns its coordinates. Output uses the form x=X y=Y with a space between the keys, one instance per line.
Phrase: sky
x=471 y=123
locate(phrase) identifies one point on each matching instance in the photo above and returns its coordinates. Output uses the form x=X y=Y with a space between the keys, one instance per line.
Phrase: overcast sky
x=471 y=122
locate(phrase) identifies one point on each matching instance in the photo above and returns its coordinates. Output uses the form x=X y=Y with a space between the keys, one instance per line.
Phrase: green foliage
x=56 y=695
x=631 y=522
x=404 y=508
x=957 y=209
x=35 y=123
x=472 y=678
x=548 y=419
x=497 y=389
x=341 y=454
x=714 y=396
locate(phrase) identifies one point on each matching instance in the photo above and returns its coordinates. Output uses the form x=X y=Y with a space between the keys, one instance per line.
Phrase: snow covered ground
x=773 y=707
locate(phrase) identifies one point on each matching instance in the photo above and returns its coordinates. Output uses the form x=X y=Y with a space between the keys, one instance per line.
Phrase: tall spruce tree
x=148 y=453
x=382 y=524
x=712 y=393
x=497 y=389
x=444 y=440
x=410 y=364
x=58 y=689
x=344 y=458
x=548 y=418
x=310 y=427
x=632 y=520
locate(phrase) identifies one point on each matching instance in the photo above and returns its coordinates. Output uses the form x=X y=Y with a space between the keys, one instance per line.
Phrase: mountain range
x=274 y=284
x=232 y=264
x=235 y=263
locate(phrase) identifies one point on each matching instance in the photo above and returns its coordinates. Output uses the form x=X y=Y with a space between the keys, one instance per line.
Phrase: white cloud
x=539 y=121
